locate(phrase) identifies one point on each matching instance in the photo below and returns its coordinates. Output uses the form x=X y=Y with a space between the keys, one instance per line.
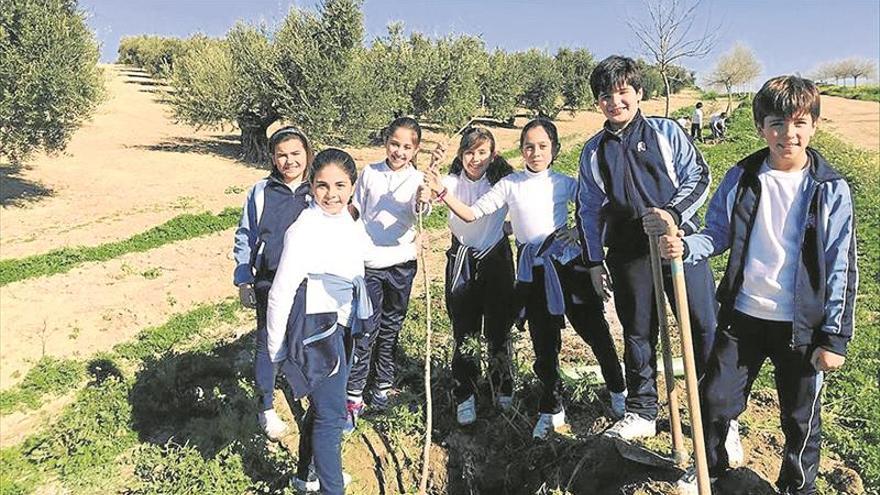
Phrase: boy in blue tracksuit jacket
x=640 y=175
x=788 y=291
x=272 y=205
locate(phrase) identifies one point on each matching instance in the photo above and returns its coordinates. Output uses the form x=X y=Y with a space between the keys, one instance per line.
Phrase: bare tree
x=666 y=35
x=860 y=67
x=735 y=68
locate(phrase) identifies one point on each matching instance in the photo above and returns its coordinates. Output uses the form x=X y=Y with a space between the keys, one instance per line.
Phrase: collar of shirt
x=621 y=133
x=535 y=175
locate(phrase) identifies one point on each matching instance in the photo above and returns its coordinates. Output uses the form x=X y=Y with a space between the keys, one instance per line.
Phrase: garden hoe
x=636 y=452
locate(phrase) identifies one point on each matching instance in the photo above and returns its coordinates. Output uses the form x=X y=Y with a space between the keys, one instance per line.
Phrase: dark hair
x=699 y=104
x=287 y=133
x=470 y=139
x=333 y=156
x=786 y=96
x=613 y=72
x=404 y=123
x=548 y=126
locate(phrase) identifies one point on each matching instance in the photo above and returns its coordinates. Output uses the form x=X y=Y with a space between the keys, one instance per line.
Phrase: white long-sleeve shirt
x=318 y=243
x=481 y=234
x=387 y=202
x=538 y=202
x=768 y=277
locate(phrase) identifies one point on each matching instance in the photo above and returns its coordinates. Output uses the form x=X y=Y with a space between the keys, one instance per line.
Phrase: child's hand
x=568 y=236
x=247 y=296
x=672 y=247
x=437 y=156
x=657 y=221
x=825 y=360
x=601 y=281
x=432 y=180
x=424 y=194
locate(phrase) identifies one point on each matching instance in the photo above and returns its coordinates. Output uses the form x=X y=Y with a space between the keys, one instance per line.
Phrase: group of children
x=328 y=260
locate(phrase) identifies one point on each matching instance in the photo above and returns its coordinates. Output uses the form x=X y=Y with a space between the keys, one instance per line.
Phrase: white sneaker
x=467 y=411
x=618 y=404
x=733 y=445
x=305 y=486
x=687 y=484
x=312 y=485
x=272 y=425
x=547 y=423
x=632 y=426
x=505 y=402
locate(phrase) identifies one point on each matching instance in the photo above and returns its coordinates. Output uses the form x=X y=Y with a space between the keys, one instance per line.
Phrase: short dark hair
x=405 y=123
x=473 y=137
x=548 y=126
x=287 y=133
x=786 y=96
x=613 y=72
x=333 y=156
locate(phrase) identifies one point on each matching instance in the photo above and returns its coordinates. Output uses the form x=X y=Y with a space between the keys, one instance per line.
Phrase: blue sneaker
x=355 y=409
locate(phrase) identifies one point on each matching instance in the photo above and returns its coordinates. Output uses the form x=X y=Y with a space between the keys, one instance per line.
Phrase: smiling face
x=475 y=161
x=332 y=188
x=400 y=148
x=788 y=138
x=537 y=149
x=290 y=159
x=620 y=105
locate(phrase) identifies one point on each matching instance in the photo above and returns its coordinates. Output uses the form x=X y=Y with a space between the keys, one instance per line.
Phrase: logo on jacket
x=641 y=146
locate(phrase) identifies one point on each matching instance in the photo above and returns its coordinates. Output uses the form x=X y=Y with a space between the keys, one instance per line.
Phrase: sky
x=786 y=36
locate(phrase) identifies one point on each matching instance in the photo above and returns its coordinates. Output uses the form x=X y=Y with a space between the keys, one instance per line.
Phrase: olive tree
x=49 y=78
x=575 y=67
x=734 y=68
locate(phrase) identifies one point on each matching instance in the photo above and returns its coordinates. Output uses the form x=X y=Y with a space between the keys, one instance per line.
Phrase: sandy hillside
x=857 y=122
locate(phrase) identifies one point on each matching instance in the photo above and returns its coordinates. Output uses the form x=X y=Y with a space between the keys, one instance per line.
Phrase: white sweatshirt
x=386 y=200
x=318 y=243
x=538 y=203
x=481 y=234
x=768 y=277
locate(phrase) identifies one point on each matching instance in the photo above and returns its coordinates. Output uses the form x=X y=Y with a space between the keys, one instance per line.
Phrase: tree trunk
x=855 y=81
x=666 y=85
x=729 y=99
x=254 y=142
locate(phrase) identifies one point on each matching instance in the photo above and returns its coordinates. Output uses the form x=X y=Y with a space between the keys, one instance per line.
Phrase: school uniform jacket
x=826 y=277
x=319 y=286
x=269 y=209
x=650 y=163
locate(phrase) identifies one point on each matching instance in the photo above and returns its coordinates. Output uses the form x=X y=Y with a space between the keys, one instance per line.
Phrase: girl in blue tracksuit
x=272 y=205
x=317 y=302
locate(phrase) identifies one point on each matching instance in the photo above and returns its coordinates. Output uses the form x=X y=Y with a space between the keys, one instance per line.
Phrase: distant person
x=272 y=205
x=479 y=275
x=697 y=123
x=552 y=281
x=718 y=125
x=639 y=176
x=789 y=288
x=684 y=123
x=388 y=198
x=317 y=304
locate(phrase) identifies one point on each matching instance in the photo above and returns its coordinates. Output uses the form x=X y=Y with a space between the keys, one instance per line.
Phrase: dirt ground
x=857 y=122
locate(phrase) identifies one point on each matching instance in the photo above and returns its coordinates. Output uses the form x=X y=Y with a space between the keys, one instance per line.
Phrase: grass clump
x=49 y=375
x=62 y=260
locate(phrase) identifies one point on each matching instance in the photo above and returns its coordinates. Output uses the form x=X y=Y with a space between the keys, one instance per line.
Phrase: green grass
x=49 y=375
x=866 y=92
x=179 y=228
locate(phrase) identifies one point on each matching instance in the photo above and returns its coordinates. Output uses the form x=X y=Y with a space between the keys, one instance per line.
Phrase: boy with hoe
x=789 y=287
x=639 y=175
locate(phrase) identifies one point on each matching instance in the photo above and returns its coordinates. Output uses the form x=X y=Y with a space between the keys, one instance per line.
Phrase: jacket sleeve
x=245 y=240
x=589 y=199
x=840 y=268
x=714 y=239
x=287 y=280
x=692 y=173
